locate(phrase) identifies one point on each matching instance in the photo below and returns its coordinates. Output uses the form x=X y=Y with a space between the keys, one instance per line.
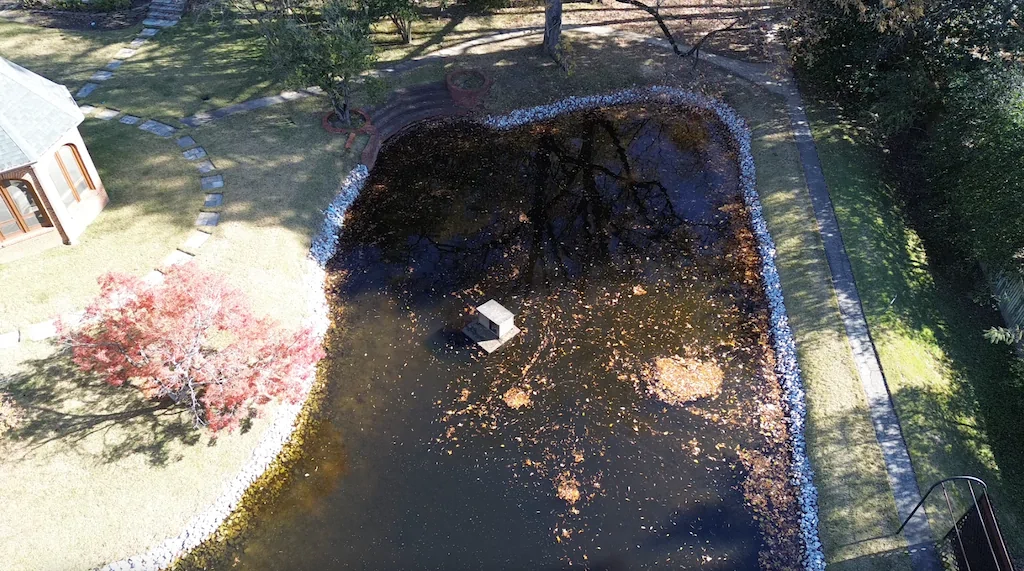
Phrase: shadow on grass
x=64 y=56
x=959 y=397
x=190 y=68
x=62 y=409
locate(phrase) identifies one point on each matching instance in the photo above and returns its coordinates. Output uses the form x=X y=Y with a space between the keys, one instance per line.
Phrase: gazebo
x=49 y=188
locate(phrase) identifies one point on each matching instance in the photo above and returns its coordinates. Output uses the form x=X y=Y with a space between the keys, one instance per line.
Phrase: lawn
x=959 y=402
x=150 y=186
x=92 y=473
x=77 y=439
x=64 y=56
x=281 y=169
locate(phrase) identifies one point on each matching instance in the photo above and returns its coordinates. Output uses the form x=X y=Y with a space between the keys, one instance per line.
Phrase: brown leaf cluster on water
x=771 y=496
x=568 y=488
x=516 y=398
x=678 y=380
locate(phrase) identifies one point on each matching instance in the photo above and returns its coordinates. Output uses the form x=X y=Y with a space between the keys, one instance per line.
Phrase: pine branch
x=1009 y=336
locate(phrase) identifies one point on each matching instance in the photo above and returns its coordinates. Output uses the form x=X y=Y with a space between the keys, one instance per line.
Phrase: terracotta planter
x=467 y=97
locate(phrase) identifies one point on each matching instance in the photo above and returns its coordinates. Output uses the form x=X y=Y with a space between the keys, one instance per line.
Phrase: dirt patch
x=73 y=20
x=690 y=21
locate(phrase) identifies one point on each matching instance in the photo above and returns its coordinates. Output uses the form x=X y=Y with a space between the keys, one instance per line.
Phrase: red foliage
x=193 y=340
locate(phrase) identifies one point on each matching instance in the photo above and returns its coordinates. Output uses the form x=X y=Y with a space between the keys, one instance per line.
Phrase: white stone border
x=324 y=246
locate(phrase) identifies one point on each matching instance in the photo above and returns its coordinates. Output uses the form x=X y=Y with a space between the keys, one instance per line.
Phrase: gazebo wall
x=71 y=225
x=67 y=225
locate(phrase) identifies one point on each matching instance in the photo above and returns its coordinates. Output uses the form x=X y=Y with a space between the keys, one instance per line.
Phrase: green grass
x=189 y=68
x=154 y=198
x=281 y=169
x=959 y=402
x=857 y=511
x=65 y=56
x=85 y=454
x=92 y=473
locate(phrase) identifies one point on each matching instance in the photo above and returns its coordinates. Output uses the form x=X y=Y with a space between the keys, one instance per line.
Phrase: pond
x=634 y=423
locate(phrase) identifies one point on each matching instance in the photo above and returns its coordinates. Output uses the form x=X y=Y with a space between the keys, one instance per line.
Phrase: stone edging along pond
x=324 y=246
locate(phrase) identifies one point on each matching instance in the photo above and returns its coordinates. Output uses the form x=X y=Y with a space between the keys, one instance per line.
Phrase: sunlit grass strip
x=787 y=366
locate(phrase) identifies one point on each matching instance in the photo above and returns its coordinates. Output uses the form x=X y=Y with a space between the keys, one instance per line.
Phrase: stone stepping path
x=251 y=105
x=162 y=14
x=206 y=221
x=157 y=128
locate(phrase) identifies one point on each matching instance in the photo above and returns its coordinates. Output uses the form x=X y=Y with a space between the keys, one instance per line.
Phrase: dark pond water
x=618 y=238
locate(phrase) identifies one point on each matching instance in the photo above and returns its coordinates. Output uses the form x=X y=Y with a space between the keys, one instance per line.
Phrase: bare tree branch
x=693 y=50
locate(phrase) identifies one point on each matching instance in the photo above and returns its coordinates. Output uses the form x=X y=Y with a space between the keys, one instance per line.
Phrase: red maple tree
x=192 y=340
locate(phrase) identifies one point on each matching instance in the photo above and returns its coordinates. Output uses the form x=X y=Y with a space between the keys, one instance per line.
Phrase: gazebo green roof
x=34 y=113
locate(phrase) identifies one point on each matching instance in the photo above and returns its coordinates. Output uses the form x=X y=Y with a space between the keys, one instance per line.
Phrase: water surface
x=616 y=237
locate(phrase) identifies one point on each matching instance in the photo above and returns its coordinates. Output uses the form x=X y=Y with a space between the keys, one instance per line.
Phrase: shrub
x=194 y=342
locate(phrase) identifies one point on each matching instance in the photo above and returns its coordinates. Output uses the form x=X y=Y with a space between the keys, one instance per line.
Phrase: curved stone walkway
x=211 y=183
x=162 y=14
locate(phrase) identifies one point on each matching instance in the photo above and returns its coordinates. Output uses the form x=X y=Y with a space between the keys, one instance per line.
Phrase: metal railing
x=966 y=550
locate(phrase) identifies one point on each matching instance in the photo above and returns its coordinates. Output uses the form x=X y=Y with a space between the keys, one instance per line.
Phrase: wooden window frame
x=13 y=209
x=81 y=168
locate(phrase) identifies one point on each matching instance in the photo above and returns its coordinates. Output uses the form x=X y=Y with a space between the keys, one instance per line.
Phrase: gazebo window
x=71 y=179
x=19 y=209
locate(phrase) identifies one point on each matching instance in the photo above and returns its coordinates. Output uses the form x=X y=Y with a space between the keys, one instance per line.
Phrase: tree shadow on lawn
x=923 y=319
x=62 y=410
x=71 y=65
x=191 y=68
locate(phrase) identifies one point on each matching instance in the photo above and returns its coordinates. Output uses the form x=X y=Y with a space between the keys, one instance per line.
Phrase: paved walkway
x=898 y=466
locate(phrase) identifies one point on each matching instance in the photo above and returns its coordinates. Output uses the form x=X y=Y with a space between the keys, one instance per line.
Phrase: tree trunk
x=406 y=30
x=404 y=26
x=339 y=101
x=346 y=93
x=552 y=27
